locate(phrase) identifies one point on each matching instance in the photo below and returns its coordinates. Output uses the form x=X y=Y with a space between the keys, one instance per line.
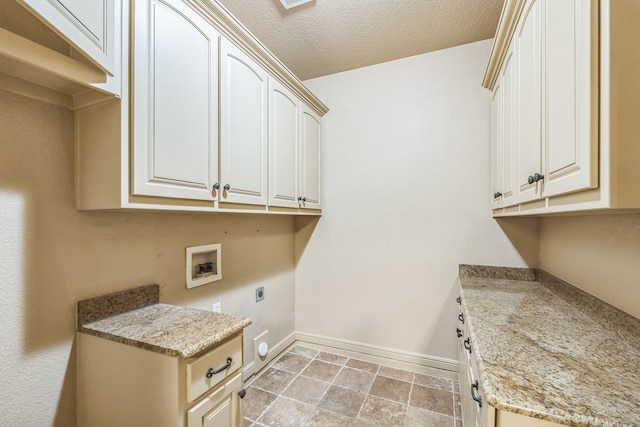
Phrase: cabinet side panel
x=122 y=385
x=99 y=175
x=624 y=87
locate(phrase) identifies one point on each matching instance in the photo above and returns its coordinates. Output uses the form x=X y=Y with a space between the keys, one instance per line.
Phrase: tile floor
x=307 y=387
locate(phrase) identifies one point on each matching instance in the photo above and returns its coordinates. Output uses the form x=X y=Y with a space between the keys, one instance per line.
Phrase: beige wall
x=52 y=255
x=406 y=199
x=599 y=254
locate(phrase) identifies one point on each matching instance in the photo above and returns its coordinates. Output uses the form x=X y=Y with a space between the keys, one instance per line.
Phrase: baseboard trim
x=414 y=362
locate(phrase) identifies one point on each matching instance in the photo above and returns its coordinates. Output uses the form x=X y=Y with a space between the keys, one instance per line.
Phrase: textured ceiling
x=328 y=36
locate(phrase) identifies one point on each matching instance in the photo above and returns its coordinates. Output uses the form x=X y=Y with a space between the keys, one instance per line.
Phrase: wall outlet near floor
x=259 y=293
x=217 y=307
x=258 y=361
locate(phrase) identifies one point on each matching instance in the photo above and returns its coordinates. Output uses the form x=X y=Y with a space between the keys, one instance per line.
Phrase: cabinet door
x=311 y=163
x=571 y=97
x=508 y=122
x=528 y=156
x=220 y=408
x=284 y=137
x=87 y=24
x=243 y=114
x=175 y=98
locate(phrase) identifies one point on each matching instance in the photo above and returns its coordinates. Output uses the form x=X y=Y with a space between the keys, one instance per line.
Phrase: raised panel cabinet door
x=311 y=163
x=528 y=39
x=496 y=146
x=220 y=408
x=508 y=123
x=571 y=140
x=284 y=137
x=86 y=24
x=243 y=132
x=175 y=101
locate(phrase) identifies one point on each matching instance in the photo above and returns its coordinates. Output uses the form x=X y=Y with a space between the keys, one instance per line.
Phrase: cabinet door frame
x=311 y=147
x=529 y=66
x=146 y=180
x=241 y=190
x=576 y=169
x=284 y=146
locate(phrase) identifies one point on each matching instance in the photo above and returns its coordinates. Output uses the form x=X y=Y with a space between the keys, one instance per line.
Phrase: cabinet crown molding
x=506 y=27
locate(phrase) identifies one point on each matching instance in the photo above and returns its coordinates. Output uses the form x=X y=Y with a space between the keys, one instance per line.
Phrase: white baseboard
x=414 y=362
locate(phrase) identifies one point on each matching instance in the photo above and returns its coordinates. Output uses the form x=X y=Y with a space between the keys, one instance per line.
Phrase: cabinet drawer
x=200 y=376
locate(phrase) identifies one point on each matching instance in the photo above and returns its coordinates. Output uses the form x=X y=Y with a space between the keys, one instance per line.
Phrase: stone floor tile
x=324 y=418
x=291 y=362
x=434 y=382
x=417 y=417
x=397 y=374
x=362 y=365
x=392 y=389
x=332 y=358
x=354 y=379
x=256 y=401
x=306 y=390
x=382 y=412
x=342 y=400
x=432 y=399
x=322 y=371
x=285 y=412
x=273 y=380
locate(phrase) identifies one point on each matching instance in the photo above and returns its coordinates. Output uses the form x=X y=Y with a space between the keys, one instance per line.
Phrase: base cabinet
x=122 y=385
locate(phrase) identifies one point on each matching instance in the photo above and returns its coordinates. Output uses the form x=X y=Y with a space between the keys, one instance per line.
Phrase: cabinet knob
x=474 y=396
x=497 y=194
x=227 y=187
x=458 y=332
x=461 y=317
x=216 y=186
x=535 y=178
x=242 y=393
x=302 y=199
x=459 y=300
x=467 y=344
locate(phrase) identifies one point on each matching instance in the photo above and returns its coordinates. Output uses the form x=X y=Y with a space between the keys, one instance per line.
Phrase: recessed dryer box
x=203 y=264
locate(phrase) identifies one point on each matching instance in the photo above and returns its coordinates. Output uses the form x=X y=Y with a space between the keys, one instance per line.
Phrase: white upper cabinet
x=508 y=123
x=243 y=127
x=571 y=139
x=175 y=101
x=496 y=146
x=284 y=142
x=310 y=196
x=87 y=24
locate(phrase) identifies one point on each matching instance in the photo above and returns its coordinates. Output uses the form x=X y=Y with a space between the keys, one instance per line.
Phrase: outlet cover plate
x=259 y=294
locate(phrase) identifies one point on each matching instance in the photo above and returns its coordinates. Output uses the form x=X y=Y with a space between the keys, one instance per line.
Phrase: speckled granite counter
x=135 y=317
x=548 y=350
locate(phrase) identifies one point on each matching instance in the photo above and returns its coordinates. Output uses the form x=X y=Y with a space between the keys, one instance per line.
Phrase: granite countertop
x=547 y=350
x=135 y=317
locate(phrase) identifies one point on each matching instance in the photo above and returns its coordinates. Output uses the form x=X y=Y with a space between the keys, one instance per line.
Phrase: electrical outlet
x=217 y=307
x=259 y=293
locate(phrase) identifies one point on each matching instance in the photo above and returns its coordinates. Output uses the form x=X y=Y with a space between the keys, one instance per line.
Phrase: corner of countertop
x=98 y=308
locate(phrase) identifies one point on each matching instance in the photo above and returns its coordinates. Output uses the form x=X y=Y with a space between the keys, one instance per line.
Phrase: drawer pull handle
x=211 y=372
x=467 y=344
x=242 y=393
x=459 y=332
x=474 y=396
x=458 y=300
x=461 y=317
